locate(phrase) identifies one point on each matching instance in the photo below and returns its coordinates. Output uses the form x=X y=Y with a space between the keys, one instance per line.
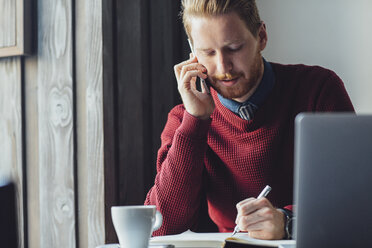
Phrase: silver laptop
x=333 y=180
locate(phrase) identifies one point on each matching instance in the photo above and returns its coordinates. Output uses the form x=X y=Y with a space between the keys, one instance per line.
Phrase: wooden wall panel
x=32 y=150
x=128 y=78
x=7 y=23
x=55 y=122
x=90 y=122
x=64 y=192
x=11 y=148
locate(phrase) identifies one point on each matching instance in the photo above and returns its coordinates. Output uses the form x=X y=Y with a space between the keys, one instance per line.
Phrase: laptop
x=333 y=180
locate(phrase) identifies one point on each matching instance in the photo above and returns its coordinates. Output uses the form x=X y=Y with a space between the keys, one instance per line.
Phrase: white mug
x=135 y=224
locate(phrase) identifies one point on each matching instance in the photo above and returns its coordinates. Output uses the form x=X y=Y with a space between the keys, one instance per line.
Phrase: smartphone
x=205 y=82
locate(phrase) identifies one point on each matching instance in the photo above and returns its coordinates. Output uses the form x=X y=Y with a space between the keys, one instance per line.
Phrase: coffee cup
x=135 y=224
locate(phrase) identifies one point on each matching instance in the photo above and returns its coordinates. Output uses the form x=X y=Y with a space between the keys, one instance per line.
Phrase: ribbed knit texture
x=229 y=159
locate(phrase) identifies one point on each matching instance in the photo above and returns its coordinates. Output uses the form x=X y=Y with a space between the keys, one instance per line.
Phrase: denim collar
x=259 y=96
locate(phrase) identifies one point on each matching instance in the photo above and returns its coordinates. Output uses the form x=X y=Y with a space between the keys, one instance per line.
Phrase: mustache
x=226 y=76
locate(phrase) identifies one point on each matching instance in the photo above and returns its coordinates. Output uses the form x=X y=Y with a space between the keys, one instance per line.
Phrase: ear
x=262 y=36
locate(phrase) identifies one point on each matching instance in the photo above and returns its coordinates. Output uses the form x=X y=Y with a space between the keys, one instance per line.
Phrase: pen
x=264 y=193
x=201 y=79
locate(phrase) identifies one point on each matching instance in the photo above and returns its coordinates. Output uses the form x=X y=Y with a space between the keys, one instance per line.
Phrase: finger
x=263 y=214
x=193 y=66
x=257 y=226
x=187 y=74
x=253 y=205
x=267 y=212
x=265 y=223
x=177 y=68
x=193 y=85
x=248 y=207
x=239 y=204
x=244 y=222
x=188 y=80
x=237 y=220
x=195 y=69
x=239 y=208
x=264 y=230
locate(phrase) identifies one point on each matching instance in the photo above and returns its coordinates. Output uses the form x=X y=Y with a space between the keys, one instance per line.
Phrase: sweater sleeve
x=180 y=164
x=333 y=96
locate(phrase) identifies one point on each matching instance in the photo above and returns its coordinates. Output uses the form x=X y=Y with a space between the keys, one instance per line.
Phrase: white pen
x=264 y=193
x=201 y=79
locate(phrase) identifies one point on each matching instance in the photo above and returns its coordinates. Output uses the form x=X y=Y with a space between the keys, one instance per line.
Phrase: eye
x=234 y=48
x=209 y=53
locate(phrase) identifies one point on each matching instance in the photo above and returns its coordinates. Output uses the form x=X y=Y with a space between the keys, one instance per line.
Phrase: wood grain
x=7 y=23
x=56 y=137
x=32 y=132
x=11 y=133
x=90 y=122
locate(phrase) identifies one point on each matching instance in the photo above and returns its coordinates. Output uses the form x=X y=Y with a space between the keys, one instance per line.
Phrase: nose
x=224 y=63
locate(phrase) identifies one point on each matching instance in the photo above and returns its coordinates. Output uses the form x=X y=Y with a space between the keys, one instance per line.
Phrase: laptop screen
x=333 y=180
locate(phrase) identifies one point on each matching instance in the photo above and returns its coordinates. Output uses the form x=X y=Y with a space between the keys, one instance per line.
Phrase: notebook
x=333 y=180
x=190 y=239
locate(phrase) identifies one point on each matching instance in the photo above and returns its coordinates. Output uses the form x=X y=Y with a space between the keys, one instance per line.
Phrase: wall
x=51 y=127
x=335 y=34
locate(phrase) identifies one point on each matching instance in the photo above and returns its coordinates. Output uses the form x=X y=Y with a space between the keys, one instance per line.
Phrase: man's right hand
x=198 y=104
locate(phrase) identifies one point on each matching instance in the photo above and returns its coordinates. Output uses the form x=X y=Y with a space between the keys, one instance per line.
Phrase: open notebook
x=190 y=239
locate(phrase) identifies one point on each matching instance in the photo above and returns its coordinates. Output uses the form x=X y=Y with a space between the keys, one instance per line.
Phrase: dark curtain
x=143 y=40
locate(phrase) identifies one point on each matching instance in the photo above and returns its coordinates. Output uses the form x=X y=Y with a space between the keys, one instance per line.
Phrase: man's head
x=228 y=37
x=245 y=9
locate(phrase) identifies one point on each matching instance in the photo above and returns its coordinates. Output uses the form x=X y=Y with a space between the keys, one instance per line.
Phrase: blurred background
x=81 y=115
x=335 y=34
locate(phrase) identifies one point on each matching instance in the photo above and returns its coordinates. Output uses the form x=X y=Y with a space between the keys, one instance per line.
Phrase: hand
x=198 y=104
x=260 y=219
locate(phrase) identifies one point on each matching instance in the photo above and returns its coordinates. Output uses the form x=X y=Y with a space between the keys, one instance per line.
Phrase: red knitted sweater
x=227 y=159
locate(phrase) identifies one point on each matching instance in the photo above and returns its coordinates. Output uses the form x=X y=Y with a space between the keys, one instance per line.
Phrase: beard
x=244 y=85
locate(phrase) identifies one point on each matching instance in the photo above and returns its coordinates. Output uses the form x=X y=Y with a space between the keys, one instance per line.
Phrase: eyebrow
x=227 y=43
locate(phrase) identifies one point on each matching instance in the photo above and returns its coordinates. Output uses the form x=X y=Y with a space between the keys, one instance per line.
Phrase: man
x=224 y=147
